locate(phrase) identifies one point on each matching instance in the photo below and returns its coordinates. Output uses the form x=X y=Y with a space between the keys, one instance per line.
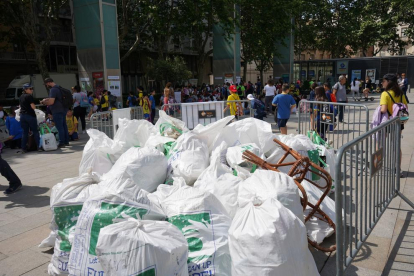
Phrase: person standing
x=270 y=92
x=132 y=100
x=355 y=88
x=15 y=129
x=285 y=104
x=339 y=90
x=80 y=106
x=404 y=85
x=104 y=101
x=258 y=106
x=28 y=120
x=152 y=100
x=55 y=103
x=236 y=108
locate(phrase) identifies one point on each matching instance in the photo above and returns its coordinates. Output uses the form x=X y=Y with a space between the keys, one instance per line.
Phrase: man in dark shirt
x=58 y=111
x=28 y=120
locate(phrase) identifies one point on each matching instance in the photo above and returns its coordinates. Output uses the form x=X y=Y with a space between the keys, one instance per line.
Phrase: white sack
x=218 y=179
x=163 y=191
x=266 y=238
x=49 y=142
x=188 y=159
x=245 y=131
x=99 y=153
x=209 y=132
x=234 y=157
x=145 y=166
x=169 y=126
x=98 y=212
x=40 y=115
x=157 y=142
x=317 y=229
x=136 y=247
x=205 y=224
x=66 y=201
x=271 y=184
x=133 y=133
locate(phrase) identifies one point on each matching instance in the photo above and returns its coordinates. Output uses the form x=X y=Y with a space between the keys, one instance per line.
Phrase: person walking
x=58 y=109
x=28 y=120
x=258 y=106
x=285 y=104
x=270 y=92
x=392 y=94
x=233 y=103
x=80 y=106
x=355 y=85
x=152 y=100
x=14 y=181
x=339 y=90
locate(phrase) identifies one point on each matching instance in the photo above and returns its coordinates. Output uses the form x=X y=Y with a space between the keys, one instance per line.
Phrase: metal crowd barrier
x=102 y=121
x=328 y=125
x=137 y=113
x=189 y=112
x=367 y=178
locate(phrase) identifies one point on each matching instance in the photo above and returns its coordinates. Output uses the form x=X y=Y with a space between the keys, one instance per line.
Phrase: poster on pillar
x=114 y=85
x=98 y=82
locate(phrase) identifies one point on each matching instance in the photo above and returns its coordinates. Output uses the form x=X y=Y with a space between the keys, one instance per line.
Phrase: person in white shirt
x=270 y=93
x=355 y=87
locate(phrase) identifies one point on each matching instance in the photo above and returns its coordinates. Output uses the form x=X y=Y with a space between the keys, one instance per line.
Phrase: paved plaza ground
x=25 y=216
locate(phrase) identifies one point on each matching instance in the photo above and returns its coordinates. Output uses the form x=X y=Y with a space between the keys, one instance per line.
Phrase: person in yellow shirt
x=72 y=124
x=104 y=101
x=236 y=109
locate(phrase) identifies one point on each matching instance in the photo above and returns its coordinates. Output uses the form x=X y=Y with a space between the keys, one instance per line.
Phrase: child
x=236 y=109
x=146 y=107
x=15 y=130
x=285 y=104
x=72 y=124
x=152 y=100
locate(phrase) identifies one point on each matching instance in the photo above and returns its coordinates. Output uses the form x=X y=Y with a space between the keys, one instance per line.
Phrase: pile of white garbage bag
x=164 y=200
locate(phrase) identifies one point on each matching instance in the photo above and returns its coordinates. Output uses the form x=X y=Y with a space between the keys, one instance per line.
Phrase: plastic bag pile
x=163 y=200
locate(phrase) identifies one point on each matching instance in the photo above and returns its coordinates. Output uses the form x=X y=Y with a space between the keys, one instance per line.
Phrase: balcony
x=16 y=56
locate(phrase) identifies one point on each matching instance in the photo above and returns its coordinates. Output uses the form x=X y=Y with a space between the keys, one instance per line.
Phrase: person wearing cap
x=235 y=107
x=55 y=103
x=28 y=120
x=258 y=106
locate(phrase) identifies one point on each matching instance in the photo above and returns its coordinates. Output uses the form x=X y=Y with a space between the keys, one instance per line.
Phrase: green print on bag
x=66 y=218
x=149 y=272
x=110 y=214
x=196 y=228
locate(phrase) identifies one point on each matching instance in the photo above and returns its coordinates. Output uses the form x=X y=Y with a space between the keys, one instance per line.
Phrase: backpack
x=399 y=110
x=67 y=98
x=84 y=100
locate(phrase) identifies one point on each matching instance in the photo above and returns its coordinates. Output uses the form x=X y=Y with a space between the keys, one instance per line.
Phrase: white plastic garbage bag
x=271 y=184
x=40 y=115
x=188 y=158
x=245 y=131
x=100 y=153
x=157 y=142
x=134 y=133
x=98 y=212
x=145 y=166
x=66 y=201
x=163 y=191
x=317 y=229
x=266 y=238
x=169 y=126
x=209 y=132
x=205 y=223
x=49 y=142
x=235 y=159
x=218 y=179
x=142 y=247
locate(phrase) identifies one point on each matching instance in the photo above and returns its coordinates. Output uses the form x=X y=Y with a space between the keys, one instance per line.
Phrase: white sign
x=190 y=113
x=342 y=67
x=113 y=77
x=371 y=74
x=115 y=88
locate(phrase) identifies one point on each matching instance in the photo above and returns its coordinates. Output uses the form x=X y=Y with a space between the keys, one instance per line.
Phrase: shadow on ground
x=28 y=197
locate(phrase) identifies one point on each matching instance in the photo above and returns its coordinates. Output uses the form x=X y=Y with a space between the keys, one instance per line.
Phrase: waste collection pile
x=164 y=200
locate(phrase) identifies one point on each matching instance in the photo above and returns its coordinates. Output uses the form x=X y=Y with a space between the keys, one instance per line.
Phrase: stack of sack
x=164 y=200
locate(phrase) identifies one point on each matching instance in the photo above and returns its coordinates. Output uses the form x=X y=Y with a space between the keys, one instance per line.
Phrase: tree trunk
x=245 y=71
x=261 y=76
x=41 y=62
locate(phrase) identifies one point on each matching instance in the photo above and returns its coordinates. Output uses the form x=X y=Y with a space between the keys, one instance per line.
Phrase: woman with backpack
x=392 y=95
